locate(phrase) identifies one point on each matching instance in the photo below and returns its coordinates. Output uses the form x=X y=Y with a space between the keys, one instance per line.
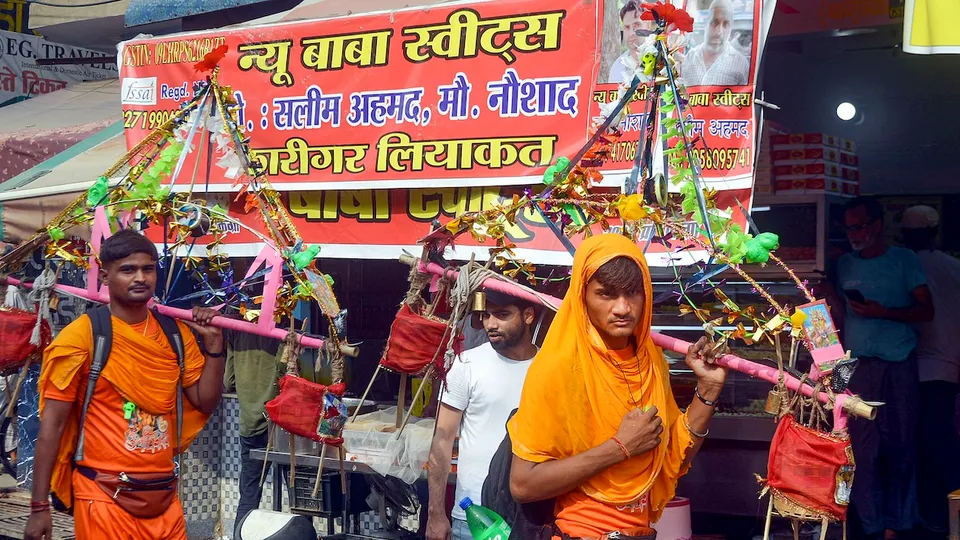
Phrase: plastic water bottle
x=485 y=524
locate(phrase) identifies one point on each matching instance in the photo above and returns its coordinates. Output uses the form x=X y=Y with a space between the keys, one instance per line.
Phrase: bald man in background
x=715 y=62
x=938 y=363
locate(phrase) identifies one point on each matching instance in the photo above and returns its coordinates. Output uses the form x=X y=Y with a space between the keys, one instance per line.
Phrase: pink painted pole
x=187 y=315
x=851 y=404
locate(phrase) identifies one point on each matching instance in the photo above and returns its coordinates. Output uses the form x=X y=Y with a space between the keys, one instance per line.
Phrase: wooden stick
x=366 y=392
x=401 y=398
x=266 y=455
x=766 y=527
x=204 y=142
x=823 y=529
x=423 y=383
x=796 y=530
x=16 y=389
x=343 y=474
x=293 y=460
x=316 y=485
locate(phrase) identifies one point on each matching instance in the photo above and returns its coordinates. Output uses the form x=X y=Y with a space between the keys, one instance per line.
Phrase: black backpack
x=531 y=521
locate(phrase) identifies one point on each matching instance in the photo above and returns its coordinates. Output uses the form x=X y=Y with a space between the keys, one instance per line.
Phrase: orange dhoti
x=99 y=517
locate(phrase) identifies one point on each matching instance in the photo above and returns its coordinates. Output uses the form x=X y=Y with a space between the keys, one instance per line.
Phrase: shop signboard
x=460 y=95
x=21 y=77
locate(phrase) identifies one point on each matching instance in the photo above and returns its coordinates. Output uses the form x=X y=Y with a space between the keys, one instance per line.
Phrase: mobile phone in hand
x=855 y=296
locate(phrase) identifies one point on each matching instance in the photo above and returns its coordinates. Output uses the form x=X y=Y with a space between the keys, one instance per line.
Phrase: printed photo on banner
x=623 y=33
x=720 y=48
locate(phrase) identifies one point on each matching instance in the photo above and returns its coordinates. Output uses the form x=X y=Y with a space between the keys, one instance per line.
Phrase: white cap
x=919 y=217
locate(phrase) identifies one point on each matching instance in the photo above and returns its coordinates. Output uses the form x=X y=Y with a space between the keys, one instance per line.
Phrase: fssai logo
x=138 y=91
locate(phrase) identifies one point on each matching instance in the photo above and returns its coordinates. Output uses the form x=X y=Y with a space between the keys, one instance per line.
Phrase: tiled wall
x=212 y=479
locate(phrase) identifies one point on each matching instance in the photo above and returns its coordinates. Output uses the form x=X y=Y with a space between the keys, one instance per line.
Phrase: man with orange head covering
x=115 y=464
x=598 y=428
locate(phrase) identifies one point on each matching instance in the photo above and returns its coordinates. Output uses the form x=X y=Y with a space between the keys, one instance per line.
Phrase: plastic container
x=372 y=440
x=485 y=524
x=674 y=523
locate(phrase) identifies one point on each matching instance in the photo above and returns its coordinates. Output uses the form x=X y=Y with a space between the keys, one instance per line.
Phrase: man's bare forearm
x=210 y=385
x=698 y=418
x=438 y=471
x=532 y=482
x=48 y=447
x=912 y=314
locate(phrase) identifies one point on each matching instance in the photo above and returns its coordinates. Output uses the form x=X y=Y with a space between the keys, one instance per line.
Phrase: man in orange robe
x=598 y=428
x=130 y=429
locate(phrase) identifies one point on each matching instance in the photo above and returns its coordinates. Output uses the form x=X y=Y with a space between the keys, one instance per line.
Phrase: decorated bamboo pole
x=851 y=404
x=187 y=315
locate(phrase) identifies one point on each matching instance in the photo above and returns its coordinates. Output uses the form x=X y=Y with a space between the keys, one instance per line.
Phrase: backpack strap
x=172 y=330
x=102 y=343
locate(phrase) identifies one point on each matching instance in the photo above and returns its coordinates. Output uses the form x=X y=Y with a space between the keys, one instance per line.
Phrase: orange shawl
x=575 y=366
x=142 y=369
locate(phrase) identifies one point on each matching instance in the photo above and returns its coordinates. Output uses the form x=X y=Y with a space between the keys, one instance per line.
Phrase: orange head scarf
x=577 y=392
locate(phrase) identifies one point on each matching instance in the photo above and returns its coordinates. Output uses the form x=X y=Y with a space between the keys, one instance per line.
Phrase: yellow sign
x=931 y=27
x=424 y=398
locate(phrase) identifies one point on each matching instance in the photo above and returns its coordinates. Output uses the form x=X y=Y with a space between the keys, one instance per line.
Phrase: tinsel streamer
x=803 y=288
x=682 y=233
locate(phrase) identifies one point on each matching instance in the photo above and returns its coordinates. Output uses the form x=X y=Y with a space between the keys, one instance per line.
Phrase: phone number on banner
x=146 y=119
x=723 y=159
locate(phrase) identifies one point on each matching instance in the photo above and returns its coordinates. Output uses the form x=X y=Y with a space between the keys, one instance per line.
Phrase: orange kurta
x=577 y=392
x=142 y=369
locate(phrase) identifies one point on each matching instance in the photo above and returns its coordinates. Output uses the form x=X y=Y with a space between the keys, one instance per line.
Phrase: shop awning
x=141 y=12
x=30 y=200
x=325 y=9
x=38 y=129
x=71 y=11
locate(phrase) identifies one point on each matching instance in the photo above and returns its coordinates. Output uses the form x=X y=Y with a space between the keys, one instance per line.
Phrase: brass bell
x=774 y=402
x=479 y=303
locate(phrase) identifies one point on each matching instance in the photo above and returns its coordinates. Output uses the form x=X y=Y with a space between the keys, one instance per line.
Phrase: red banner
x=478 y=94
x=455 y=97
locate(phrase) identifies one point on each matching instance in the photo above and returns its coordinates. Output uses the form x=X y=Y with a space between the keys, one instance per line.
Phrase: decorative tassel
x=42 y=286
x=14 y=299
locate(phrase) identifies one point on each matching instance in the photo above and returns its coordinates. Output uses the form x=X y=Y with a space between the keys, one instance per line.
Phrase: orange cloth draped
x=142 y=369
x=575 y=395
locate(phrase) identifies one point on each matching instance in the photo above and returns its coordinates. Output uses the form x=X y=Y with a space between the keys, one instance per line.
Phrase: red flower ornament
x=668 y=13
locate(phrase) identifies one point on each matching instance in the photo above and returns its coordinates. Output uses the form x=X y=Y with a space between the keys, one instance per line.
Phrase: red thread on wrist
x=626 y=453
x=39 y=507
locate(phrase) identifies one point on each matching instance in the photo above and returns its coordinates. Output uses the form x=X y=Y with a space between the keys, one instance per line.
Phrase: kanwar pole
x=849 y=403
x=187 y=315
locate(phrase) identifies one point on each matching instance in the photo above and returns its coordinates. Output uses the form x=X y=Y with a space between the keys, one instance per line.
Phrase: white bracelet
x=690 y=429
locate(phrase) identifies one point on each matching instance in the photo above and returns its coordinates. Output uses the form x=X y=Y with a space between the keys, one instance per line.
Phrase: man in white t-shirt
x=938 y=363
x=482 y=389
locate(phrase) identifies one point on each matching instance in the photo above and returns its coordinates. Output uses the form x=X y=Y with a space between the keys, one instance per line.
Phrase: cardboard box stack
x=763 y=175
x=814 y=163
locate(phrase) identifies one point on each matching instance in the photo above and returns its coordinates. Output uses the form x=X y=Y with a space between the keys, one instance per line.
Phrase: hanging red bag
x=415 y=341
x=310 y=410
x=16 y=329
x=810 y=473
